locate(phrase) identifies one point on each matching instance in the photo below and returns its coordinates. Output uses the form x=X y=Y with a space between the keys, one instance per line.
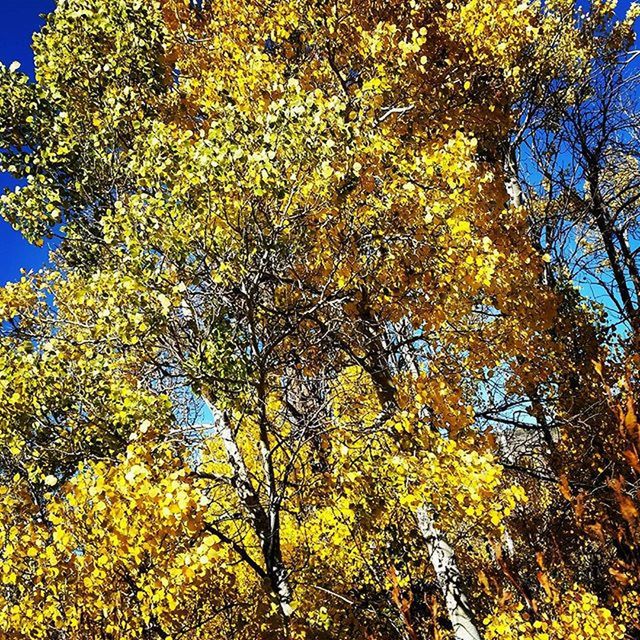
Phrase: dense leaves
x=306 y=363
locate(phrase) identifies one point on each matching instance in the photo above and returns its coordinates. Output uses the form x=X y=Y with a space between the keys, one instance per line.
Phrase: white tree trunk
x=263 y=525
x=449 y=579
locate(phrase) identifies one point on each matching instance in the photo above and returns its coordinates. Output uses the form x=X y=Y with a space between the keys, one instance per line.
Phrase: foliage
x=272 y=382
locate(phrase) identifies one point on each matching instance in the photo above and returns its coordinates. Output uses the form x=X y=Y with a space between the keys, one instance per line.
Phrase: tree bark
x=265 y=525
x=607 y=232
x=441 y=554
x=444 y=564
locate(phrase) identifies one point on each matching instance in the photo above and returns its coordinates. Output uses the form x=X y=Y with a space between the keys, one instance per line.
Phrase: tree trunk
x=449 y=578
x=265 y=525
x=607 y=232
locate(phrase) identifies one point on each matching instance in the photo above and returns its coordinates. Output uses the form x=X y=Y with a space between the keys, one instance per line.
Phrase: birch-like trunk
x=265 y=525
x=449 y=579
x=441 y=554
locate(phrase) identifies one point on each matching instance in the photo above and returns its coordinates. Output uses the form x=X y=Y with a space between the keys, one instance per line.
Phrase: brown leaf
x=544 y=581
x=565 y=489
x=627 y=507
x=632 y=459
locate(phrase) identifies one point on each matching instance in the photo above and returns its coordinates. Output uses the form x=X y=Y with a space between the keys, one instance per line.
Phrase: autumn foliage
x=315 y=356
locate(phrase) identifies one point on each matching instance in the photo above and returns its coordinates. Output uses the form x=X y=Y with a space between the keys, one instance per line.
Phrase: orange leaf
x=565 y=490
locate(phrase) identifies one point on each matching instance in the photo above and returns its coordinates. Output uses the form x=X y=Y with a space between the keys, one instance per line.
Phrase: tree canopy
x=341 y=337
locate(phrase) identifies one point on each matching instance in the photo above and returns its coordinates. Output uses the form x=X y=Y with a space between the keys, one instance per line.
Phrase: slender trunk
x=607 y=233
x=265 y=525
x=517 y=199
x=513 y=188
x=282 y=588
x=629 y=260
x=444 y=564
x=441 y=554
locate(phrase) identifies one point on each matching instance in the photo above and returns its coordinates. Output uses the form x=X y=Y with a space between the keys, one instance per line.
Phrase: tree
x=257 y=395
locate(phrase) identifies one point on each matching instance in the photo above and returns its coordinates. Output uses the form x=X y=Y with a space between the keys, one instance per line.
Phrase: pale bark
x=444 y=564
x=441 y=554
x=265 y=525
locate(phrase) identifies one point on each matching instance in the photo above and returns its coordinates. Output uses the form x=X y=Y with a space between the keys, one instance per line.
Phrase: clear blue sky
x=18 y=20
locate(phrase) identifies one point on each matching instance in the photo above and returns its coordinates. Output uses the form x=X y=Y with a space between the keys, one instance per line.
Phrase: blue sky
x=19 y=19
